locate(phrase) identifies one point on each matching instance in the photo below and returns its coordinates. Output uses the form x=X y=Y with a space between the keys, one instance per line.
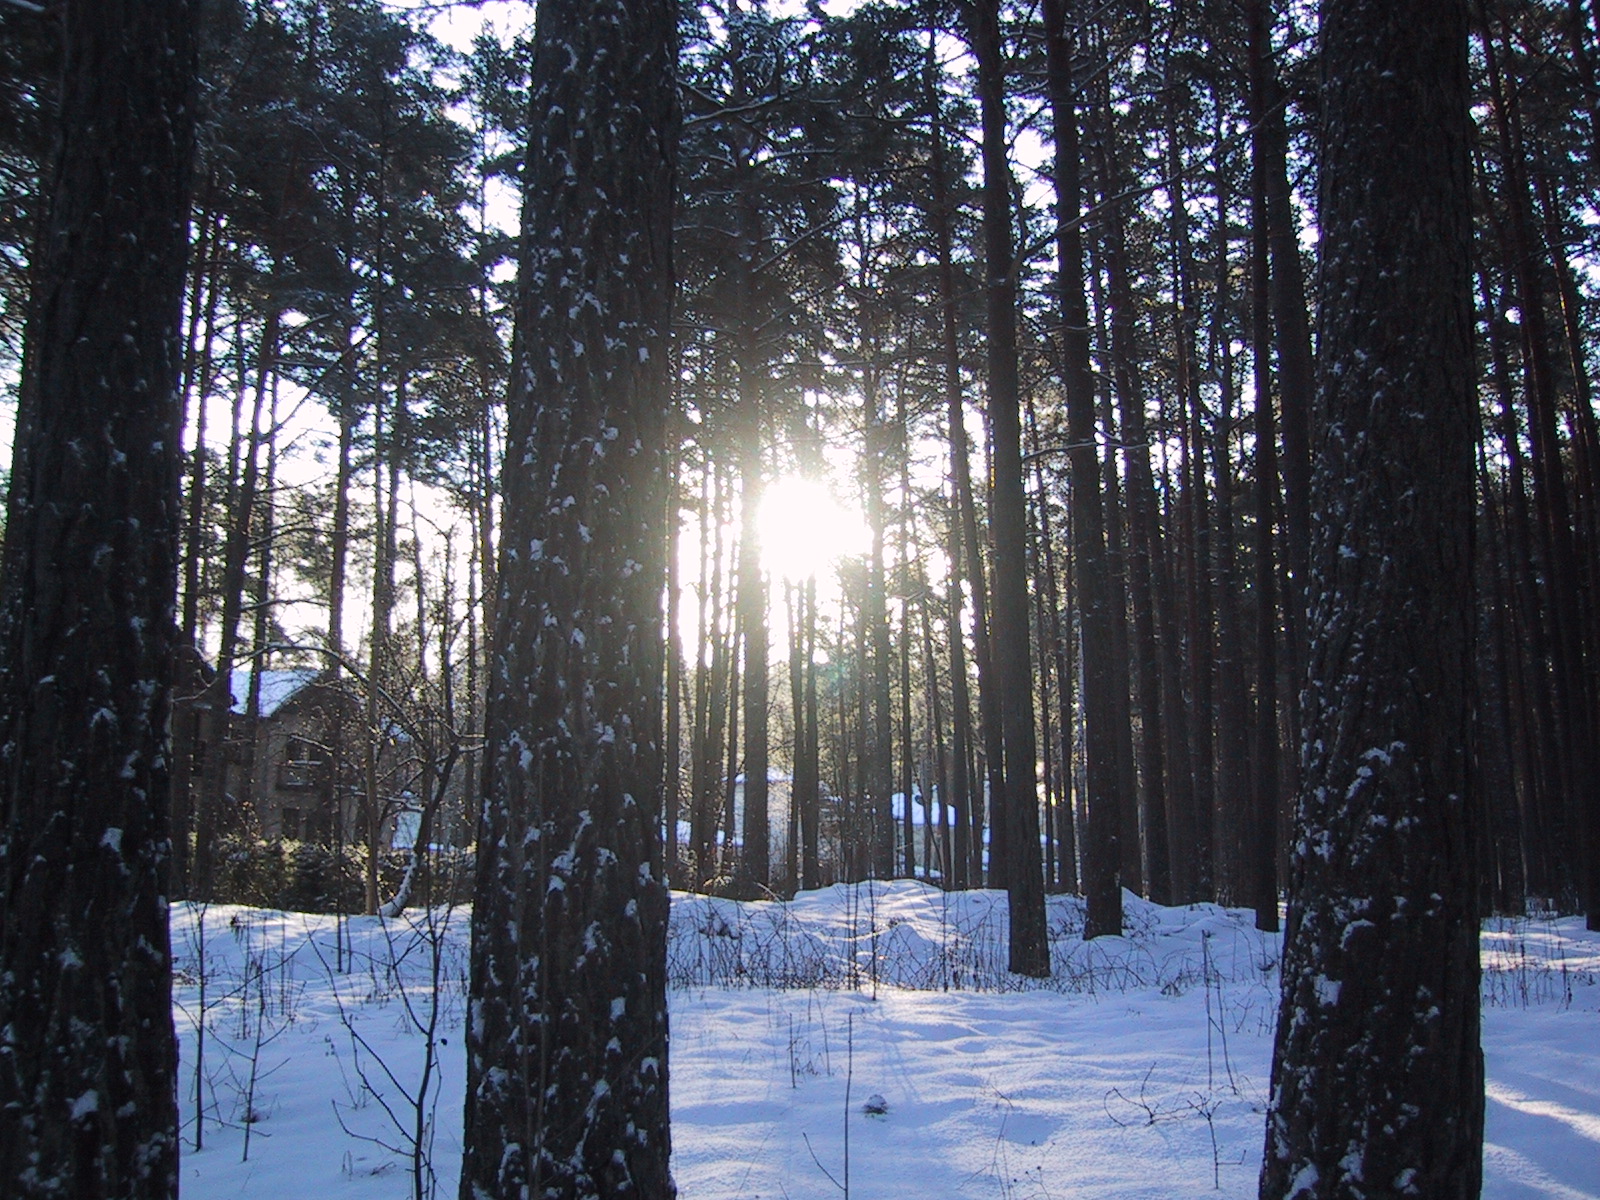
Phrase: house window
x=291 y=824
x=301 y=766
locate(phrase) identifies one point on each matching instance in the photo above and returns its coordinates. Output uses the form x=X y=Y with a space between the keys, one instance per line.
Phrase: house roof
x=277 y=687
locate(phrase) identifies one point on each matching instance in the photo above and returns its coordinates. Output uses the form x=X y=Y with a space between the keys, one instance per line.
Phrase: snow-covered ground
x=867 y=1035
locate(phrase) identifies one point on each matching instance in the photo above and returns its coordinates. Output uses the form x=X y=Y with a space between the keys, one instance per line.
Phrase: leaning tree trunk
x=567 y=1037
x=88 y=1061
x=1378 y=1076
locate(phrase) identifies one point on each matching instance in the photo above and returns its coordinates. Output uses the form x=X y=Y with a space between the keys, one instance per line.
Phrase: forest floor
x=858 y=1040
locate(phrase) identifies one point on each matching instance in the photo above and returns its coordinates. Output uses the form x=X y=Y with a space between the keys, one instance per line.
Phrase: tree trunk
x=878 y=663
x=1266 y=759
x=754 y=866
x=188 y=680
x=961 y=869
x=1008 y=520
x=214 y=808
x=567 y=1036
x=88 y=1074
x=810 y=795
x=1575 y=706
x=1233 y=721
x=1378 y=1075
x=672 y=754
x=1142 y=533
x=1102 y=852
x=907 y=756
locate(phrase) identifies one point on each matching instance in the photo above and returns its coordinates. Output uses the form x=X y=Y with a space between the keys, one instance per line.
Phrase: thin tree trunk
x=1266 y=772
x=672 y=684
x=1233 y=722
x=1575 y=705
x=961 y=535
x=1102 y=865
x=754 y=869
x=1143 y=532
x=211 y=809
x=1016 y=809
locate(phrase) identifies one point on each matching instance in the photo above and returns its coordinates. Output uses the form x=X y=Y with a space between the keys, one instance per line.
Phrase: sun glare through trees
x=807 y=531
x=744 y=448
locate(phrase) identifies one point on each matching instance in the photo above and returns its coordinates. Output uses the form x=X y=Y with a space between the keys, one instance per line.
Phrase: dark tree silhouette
x=87 y=1056
x=1378 y=1075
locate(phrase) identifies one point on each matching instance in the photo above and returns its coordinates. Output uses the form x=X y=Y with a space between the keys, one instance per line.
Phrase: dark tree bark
x=673 y=681
x=907 y=753
x=1231 y=688
x=941 y=849
x=711 y=688
x=1291 y=327
x=1018 y=800
x=1101 y=853
x=877 y=665
x=1265 y=771
x=567 y=1040
x=88 y=1062
x=1063 y=834
x=962 y=856
x=1143 y=533
x=1553 y=507
x=188 y=678
x=807 y=760
x=1378 y=1075
x=1130 y=845
x=753 y=866
x=965 y=859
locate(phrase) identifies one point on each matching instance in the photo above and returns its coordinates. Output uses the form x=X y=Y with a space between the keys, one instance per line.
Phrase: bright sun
x=805 y=530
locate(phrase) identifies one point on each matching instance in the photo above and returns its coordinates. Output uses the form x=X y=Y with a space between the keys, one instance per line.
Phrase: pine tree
x=567 y=1041
x=87 y=1055
x=1377 y=1074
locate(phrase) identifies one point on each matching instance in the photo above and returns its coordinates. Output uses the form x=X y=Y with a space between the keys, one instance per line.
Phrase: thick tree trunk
x=1378 y=1075
x=567 y=1036
x=88 y=1105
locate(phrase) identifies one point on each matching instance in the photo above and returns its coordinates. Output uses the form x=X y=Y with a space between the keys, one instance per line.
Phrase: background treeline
x=347 y=348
